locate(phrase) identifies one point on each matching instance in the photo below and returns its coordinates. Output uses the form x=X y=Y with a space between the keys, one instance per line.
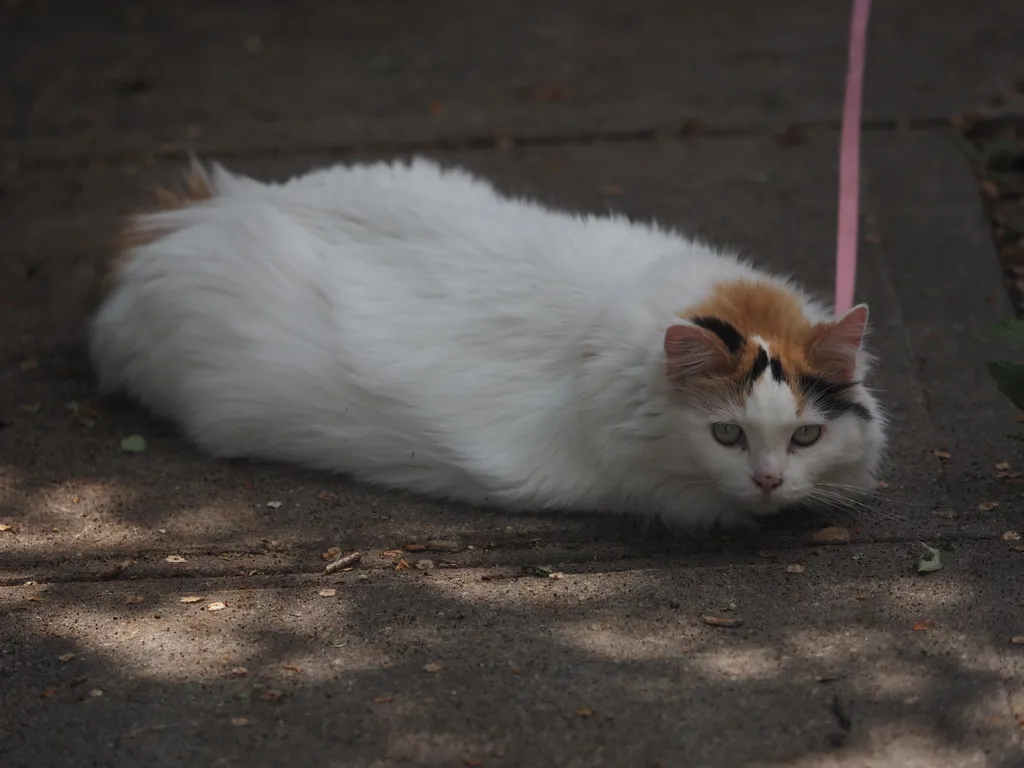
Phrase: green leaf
x=930 y=561
x=1009 y=378
x=1012 y=330
x=133 y=444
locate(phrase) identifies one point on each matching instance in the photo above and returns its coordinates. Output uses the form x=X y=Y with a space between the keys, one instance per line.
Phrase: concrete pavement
x=849 y=659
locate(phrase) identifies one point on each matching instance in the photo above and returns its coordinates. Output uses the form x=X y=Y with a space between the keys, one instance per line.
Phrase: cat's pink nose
x=768 y=481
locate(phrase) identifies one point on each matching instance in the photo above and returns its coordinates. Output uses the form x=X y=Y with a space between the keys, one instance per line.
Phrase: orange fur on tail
x=196 y=188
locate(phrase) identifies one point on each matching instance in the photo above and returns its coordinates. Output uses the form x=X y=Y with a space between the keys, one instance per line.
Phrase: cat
x=410 y=326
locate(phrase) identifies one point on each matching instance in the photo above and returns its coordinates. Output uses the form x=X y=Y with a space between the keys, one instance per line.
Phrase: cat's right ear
x=692 y=351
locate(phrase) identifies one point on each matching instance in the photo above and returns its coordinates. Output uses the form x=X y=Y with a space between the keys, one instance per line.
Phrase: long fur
x=411 y=327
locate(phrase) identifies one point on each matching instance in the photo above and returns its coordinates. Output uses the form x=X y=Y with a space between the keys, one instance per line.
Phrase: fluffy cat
x=414 y=328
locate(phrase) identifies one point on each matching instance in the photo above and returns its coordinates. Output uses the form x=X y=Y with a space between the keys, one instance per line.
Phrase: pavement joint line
x=625 y=559
x=685 y=130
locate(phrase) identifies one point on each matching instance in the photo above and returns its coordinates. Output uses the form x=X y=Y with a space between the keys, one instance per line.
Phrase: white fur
x=414 y=328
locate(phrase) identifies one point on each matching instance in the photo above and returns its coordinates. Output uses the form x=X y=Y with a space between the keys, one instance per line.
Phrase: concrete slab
x=605 y=666
x=89 y=78
x=611 y=664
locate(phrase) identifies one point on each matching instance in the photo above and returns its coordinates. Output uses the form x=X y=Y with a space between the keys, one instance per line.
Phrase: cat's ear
x=692 y=351
x=834 y=347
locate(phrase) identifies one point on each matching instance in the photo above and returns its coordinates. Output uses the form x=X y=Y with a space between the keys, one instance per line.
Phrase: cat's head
x=774 y=409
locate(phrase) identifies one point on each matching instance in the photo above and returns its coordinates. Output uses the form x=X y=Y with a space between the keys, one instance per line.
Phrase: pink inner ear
x=690 y=351
x=834 y=353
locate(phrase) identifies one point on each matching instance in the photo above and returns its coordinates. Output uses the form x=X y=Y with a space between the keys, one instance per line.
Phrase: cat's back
x=400 y=321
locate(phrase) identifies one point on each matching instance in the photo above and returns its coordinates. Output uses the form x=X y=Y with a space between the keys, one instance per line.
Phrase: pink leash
x=849 y=161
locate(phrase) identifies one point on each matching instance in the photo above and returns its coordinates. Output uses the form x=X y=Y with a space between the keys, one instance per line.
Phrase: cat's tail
x=196 y=186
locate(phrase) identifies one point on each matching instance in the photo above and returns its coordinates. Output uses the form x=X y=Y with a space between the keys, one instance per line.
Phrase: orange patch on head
x=765 y=310
x=738 y=311
x=197 y=188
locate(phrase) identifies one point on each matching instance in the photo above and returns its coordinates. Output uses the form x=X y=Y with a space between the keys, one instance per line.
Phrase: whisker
x=836 y=499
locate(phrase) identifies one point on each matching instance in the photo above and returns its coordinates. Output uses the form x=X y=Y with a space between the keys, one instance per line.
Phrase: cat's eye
x=807 y=435
x=726 y=434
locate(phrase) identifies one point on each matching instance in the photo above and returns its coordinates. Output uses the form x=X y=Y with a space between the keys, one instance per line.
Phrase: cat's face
x=780 y=418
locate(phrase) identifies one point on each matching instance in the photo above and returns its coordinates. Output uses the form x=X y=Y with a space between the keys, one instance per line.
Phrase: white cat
x=414 y=328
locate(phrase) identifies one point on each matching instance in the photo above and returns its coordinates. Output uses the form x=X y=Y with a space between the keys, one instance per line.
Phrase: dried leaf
x=64 y=658
x=832 y=535
x=134 y=599
x=988 y=506
x=331 y=553
x=1011 y=536
x=1018 y=548
x=174 y=559
x=115 y=570
x=930 y=561
x=95 y=693
x=327 y=496
x=5 y=527
x=990 y=189
x=942 y=454
x=343 y=562
x=274 y=504
x=415 y=547
x=239 y=721
x=271 y=695
x=585 y=712
x=515 y=670
x=382 y=699
x=432 y=667
x=794 y=568
x=239 y=671
x=327 y=592
x=390 y=553
x=402 y=565
x=190 y=599
x=1017 y=640
x=218 y=606
x=923 y=624
x=1002 y=466
x=48 y=693
x=722 y=621
x=292 y=668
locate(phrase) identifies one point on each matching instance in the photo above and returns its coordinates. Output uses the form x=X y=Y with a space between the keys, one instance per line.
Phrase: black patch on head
x=760 y=366
x=831 y=397
x=777 y=373
x=725 y=331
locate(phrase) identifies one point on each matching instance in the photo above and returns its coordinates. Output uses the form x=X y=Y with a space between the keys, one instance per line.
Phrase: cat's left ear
x=833 y=348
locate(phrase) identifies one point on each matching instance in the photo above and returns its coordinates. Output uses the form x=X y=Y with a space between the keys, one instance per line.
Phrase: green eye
x=726 y=434
x=807 y=435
